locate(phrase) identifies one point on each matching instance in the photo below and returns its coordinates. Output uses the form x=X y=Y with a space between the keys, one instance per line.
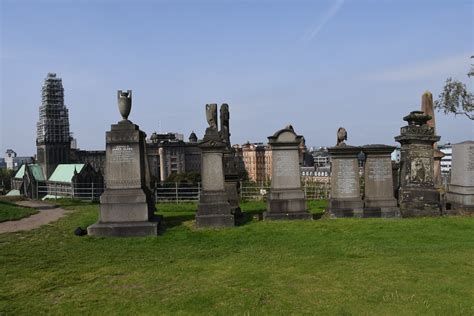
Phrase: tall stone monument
x=417 y=193
x=345 y=200
x=126 y=206
x=213 y=208
x=231 y=172
x=428 y=109
x=286 y=199
x=379 y=199
x=460 y=196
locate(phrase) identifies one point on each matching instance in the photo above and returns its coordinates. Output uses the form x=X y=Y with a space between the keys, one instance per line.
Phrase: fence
x=80 y=191
x=172 y=192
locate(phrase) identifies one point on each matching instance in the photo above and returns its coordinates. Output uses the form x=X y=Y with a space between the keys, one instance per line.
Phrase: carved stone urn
x=124 y=100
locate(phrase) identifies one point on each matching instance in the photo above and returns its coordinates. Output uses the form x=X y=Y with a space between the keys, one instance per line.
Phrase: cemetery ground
x=11 y=212
x=326 y=266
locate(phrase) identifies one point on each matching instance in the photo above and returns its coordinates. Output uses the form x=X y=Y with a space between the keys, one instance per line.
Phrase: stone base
x=346 y=208
x=384 y=208
x=233 y=197
x=126 y=205
x=419 y=202
x=124 y=229
x=287 y=204
x=460 y=199
x=214 y=210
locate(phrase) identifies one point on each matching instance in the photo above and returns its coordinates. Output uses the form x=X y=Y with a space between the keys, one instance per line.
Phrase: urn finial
x=124 y=100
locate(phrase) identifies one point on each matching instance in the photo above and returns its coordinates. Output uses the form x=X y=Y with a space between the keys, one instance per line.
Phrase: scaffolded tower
x=53 y=140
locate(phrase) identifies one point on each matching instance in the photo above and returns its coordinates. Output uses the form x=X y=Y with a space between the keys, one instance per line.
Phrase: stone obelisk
x=427 y=108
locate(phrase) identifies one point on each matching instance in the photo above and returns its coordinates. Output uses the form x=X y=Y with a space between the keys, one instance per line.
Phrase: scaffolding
x=53 y=124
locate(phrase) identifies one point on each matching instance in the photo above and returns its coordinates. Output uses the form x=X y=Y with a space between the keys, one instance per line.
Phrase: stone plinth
x=214 y=209
x=345 y=200
x=460 y=195
x=379 y=200
x=286 y=199
x=417 y=195
x=126 y=206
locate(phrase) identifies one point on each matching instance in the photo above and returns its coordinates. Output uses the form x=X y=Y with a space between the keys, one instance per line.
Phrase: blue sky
x=318 y=65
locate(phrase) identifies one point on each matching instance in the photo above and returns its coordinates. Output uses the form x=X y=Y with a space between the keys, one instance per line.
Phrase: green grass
x=336 y=267
x=12 y=212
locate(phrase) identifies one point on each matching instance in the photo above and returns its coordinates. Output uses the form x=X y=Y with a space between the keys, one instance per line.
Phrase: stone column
x=126 y=206
x=417 y=195
x=379 y=199
x=231 y=176
x=286 y=199
x=345 y=200
x=460 y=196
x=214 y=208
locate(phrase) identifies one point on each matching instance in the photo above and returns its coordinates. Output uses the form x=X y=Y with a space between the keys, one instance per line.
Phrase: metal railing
x=173 y=192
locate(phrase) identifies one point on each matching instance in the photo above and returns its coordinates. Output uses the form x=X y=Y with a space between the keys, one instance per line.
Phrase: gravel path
x=48 y=213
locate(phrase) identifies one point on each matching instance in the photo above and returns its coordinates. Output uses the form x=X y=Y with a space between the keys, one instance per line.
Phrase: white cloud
x=451 y=66
x=313 y=31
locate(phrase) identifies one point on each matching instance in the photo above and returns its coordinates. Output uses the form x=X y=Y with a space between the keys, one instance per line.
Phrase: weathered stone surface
x=379 y=200
x=214 y=210
x=460 y=195
x=286 y=199
x=127 y=206
x=345 y=200
x=417 y=194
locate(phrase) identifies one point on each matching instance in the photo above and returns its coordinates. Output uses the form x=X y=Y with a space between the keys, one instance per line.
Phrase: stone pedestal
x=214 y=208
x=286 y=199
x=379 y=200
x=417 y=194
x=232 y=183
x=126 y=206
x=345 y=200
x=460 y=195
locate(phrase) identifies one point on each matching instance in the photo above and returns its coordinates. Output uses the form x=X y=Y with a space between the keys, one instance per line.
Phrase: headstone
x=231 y=172
x=460 y=195
x=345 y=200
x=286 y=199
x=126 y=207
x=417 y=194
x=379 y=200
x=213 y=208
x=428 y=109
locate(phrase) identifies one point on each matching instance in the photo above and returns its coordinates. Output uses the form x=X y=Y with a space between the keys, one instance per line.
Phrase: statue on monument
x=225 y=127
x=341 y=136
x=211 y=115
x=124 y=100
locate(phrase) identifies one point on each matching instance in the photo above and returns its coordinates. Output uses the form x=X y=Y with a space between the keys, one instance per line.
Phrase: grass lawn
x=342 y=267
x=12 y=212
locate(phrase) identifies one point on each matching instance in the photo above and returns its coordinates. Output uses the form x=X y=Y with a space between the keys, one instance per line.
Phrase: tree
x=456 y=99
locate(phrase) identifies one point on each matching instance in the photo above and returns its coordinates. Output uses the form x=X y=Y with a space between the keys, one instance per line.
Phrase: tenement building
x=168 y=154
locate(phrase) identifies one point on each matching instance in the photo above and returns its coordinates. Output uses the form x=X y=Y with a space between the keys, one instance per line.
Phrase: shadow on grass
x=174 y=221
x=247 y=217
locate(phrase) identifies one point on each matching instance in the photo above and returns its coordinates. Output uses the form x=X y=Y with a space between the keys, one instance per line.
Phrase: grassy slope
x=347 y=266
x=11 y=212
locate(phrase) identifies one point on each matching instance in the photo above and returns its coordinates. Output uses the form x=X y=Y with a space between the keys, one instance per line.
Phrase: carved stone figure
x=341 y=136
x=225 y=127
x=211 y=115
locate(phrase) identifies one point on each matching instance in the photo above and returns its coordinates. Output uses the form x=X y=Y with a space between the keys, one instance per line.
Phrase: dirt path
x=48 y=213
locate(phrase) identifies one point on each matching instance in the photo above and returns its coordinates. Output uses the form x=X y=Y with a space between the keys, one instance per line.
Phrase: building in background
x=53 y=140
x=169 y=154
x=13 y=161
x=321 y=157
x=3 y=164
x=447 y=150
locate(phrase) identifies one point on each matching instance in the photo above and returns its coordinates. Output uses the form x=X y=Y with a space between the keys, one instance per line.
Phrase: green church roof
x=65 y=172
x=35 y=170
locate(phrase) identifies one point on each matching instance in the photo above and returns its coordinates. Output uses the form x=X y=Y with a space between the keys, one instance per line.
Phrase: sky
x=317 y=65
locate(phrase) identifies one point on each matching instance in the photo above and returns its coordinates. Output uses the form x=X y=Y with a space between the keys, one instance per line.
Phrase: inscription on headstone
x=284 y=166
x=470 y=164
x=346 y=176
x=122 y=153
x=380 y=170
